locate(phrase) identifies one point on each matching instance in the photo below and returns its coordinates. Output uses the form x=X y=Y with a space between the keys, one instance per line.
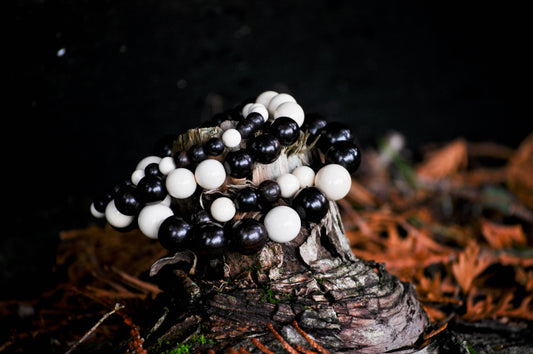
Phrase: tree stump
x=311 y=287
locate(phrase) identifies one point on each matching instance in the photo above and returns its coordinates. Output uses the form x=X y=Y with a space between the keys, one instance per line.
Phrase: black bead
x=286 y=130
x=101 y=201
x=182 y=160
x=238 y=163
x=118 y=187
x=344 y=153
x=332 y=133
x=214 y=147
x=256 y=118
x=311 y=204
x=313 y=123
x=128 y=200
x=247 y=128
x=200 y=217
x=164 y=146
x=196 y=153
x=174 y=233
x=269 y=192
x=152 y=169
x=151 y=189
x=209 y=239
x=247 y=199
x=265 y=148
x=248 y=236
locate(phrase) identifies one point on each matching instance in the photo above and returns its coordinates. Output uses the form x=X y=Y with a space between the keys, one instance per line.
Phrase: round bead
x=180 y=183
x=246 y=109
x=269 y=192
x=209 y=239
x=247 y=199
x=265 y=97
x=256 y=118
x=196 y=153
x=222 y=209
x=152 y=169
x=214 y=147
x=115 y=218
x=286 y=130
x=151 y=189
x=128 y=201
x=288 y=184
x=277 y=100
x=231 y=138
x=146 y=161
x=265 y=148
x=166 y=165
x=246 y=128
x=200 y=217
x=248 y=236
x=95 y=213
x=174 y=233
x=311 y=204
x=210 y=174
x=282 y=224
x=305 y=175
x=151 y=217
x=334 y=181
x=344 y=153
x=292 y=110
x=238 y=164
x=100 y=202
x=313 y=124
x=181 y=159
x=136 y=176
x=332 y=133
x=259 y=108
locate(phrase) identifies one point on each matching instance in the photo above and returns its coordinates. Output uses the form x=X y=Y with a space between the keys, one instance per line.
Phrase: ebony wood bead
x=311 y=204
x=152 y=169
x=181 y=159
x=247 y=128
x=174 y=233
x=344 y=153
x=209 y=239
x=151 y=189
x=332 y=133
x=248 y=236
x=247 y=199
x=238 y=163
x=256 y=118
x=101 y=201
x=269 y=192
x=196 y=153
x=286 y=130
x=265 y=148
x=200 y=217
x=214 y=147
x=128 y=200
x=313 y=123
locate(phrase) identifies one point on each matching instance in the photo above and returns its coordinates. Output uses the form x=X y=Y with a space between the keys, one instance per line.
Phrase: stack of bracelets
x=255 y=132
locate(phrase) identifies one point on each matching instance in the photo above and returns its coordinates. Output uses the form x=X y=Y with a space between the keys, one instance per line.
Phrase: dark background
x=95 y=83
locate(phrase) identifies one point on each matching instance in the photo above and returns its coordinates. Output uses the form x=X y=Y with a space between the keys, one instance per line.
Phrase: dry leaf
x=444 y=162
x=502 y=236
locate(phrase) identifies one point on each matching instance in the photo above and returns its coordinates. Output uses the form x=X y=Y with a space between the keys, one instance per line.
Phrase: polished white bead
x=231 y=138
x=97 y=214
x=305 y=175
x=334 y=181
x=166 y=202
x=288 y=184
x=261 y=109
x=246 y=109
x=265 y=97
x=278 y=100
x=151 y=217
x=136 y=176
x=210 y=174
x=166 y=165
x=180 y=183
x=146 y=161
x=292 y=110
x=116 y=218
x=282 y=224
x=222 y=209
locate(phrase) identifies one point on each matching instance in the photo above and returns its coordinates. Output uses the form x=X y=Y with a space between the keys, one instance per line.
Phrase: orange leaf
x=468 y=266
x=502 y=236
x=444 y=162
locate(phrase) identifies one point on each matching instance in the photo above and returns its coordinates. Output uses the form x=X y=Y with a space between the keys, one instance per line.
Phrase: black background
x=132 y=71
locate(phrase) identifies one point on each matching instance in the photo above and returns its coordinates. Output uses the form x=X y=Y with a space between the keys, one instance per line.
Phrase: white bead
x=231 y=138
x=334 y=181
x=282 y=224
x=265 y=97
x=166 y=165
x=246 y=109
x=166 y=202
x=97 y=214
x=305 y=175
x=292 y=110
x=115 y=217
x=210 y=174
x=261 y=109
x=146 y=161
x=223 y=209
x=180 y=183
x=277 y=100
x=151 y=217
x=136 y=176
x=289 y=185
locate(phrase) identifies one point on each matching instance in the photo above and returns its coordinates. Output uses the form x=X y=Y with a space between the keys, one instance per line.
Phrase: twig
x=314 y=344
x=285 y=345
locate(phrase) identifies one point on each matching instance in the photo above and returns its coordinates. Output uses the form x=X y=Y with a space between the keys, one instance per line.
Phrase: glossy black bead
x=200 y=217
x=152 y=169
x=238 y=163
x=118 y=187
x=151 y=189
x=247 y=199
x=174 y=233
x=128 y=200
x=311 y=204
x=209 y=240
x=248 y=236
x=101 y=201
x=164 y=146
x=265 y=148
x=196 y=153
x=182 y=160
x=247 y=128
x=256 y=118
x=286 y=130
x=313 y=123
x=214 y=147
x=332 y=133
x=269 y=192
x=344 y=153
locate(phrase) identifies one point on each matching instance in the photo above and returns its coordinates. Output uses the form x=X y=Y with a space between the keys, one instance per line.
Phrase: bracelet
x=256 y=131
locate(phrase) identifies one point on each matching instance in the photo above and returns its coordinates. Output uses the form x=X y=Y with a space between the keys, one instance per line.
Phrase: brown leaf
x=502 y=236
x=468 y=266
x=444 y=162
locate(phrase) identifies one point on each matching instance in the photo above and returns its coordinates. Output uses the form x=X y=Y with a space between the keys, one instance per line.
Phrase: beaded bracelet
x=246 y=137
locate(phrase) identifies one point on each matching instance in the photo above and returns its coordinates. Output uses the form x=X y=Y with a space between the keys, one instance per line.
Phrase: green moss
x=166 y=347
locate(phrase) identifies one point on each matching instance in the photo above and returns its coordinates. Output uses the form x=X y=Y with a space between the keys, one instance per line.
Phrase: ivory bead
x=180 y=183
x=167 y=165
x=146 y=161
x=136 y=176
x=265 y=97
x=210 y=174
x=151 y=217
x=97 y=214
x=278 y=100
x=222 y=209
x=292 y=110
x=259 y=108
x=116 y=218
x=282 y=224
x=305 y=175
x=289 y=185
x=334 y=181
x=246 y=109
x=231 y=138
